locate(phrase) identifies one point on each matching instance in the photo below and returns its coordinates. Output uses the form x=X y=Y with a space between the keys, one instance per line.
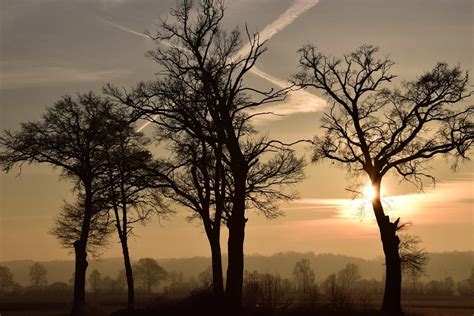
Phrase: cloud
x=55 y=75
x=448 y=202
x=298 y=101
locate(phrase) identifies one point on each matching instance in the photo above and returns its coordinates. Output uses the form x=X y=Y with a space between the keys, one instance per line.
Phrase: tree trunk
x=235 y=270
x=79 y=298
x=393 y=275
x=128 y=273
x=80 y=250
x=216 y=256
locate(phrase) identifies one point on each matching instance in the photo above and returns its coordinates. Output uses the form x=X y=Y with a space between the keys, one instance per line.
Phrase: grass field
x=56 y=306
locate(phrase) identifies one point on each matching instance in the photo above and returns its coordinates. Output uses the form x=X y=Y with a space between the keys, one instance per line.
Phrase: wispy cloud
x=298 y=101
x=55 y=75
x=448 y=202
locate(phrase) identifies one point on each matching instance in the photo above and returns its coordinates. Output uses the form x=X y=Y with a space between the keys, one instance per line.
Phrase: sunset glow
x=236 y=157
x=369 y=192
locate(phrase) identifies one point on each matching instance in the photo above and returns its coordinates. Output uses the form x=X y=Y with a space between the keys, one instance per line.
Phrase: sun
x=369 y=193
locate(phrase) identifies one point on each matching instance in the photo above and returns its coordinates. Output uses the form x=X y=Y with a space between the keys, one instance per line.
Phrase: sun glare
x=369 y=192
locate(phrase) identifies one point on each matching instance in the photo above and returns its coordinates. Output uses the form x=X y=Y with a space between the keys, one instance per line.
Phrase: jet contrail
x=289 y=16
x=123 y=28
x=311 y=101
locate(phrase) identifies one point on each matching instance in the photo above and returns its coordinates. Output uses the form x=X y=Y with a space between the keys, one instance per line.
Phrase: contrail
x=289 y=16
x=154 y=117
x=123 y=28
x=306 y=101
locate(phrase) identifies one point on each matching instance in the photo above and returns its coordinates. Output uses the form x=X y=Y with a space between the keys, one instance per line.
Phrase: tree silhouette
x=149 y=273
x=6 y=279
x=372 y=130
x=95 y=281
x=201 y=95
x=38 y=279
x=413 y=258
x=305 y=280
x=70 y=136
x=130 y=184
x=346 y=279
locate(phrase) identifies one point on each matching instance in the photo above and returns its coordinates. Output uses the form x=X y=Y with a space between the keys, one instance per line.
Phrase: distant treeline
x=343 y=290
x=455 y=265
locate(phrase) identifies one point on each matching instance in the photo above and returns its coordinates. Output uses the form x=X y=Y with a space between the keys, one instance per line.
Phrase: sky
x=52 y=47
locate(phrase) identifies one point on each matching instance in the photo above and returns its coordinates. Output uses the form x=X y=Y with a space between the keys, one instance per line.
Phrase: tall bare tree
x=70 y=136
x=201 y=93
x=372 y=130
x=131 y=188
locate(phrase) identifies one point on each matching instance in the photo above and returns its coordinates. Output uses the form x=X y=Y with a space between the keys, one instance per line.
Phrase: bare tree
x=38 y=279
x=346 y=279
x=466 y=287
x=196 y=180
x=70 y=136
x=131 y=188
x=149 y=273
x=305 y=282
x=202 y=94
x=6 y=280
x=413 y=258
x=95 y=281
x=372 y=130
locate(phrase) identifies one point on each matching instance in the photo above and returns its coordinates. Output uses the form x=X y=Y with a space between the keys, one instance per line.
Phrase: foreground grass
x=200 y=304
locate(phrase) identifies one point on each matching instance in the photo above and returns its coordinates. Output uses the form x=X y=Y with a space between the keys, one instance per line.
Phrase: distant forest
x=456 y=265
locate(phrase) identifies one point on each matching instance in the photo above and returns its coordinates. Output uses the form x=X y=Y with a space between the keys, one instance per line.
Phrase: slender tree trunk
x=393 y=273
x=128 y=273
x=80 y=250
x=216 y=256
x=124 y=241
x=79 y=297
x=235 y=270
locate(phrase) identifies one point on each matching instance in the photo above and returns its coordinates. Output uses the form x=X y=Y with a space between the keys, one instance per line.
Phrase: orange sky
x=40 y=62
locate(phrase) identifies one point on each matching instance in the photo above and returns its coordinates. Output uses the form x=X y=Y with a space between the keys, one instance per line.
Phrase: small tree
x=372 y=130
x=305 y=281
x=413 y=259
x=466 y=287
x=95 y=281
x=149 y=273
x=6 y=280
x=332 y=290
x=346 y=279
x=38 y=279
x=205 y=278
